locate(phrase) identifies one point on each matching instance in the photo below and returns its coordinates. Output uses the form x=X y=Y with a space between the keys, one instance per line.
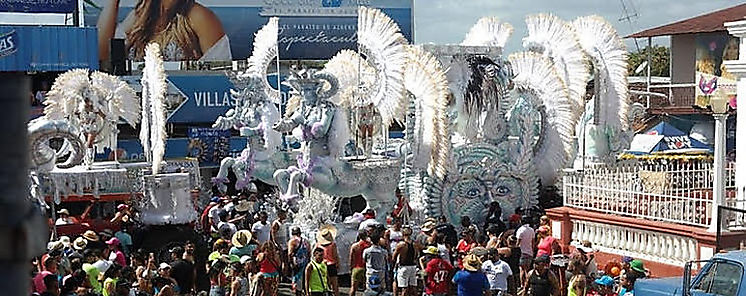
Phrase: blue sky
x=447 y=21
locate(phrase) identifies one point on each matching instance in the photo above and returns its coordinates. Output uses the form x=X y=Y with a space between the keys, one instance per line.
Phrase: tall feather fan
x=426 y=80
x=153 y=129
x=537 y=78
x=66 y=95
x=122 y=102
x=353 y=73
x=488 y=31
x=609 y=56
x=381 y=42
x=556 y=39
x=263 y=54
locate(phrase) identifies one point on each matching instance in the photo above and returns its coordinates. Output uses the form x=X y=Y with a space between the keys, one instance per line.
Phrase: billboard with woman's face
x=223 y=30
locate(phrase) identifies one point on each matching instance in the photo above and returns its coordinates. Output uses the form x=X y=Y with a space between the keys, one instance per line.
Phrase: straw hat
x=326 y=234
x=428 y=226
x=241 y=238
x=472 y=263
x=243 y=206
x=63 y=212
x=91 y=235
x=80 y=243
x=65 y=240
x=54 y=246
x=432 y=250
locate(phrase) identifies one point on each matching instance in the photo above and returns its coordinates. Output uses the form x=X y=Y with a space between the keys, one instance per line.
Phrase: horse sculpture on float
x=324 y=134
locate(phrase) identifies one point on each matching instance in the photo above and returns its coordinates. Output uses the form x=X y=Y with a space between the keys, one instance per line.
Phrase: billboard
x=711 y=77
x=38 y=6
x=222 y=30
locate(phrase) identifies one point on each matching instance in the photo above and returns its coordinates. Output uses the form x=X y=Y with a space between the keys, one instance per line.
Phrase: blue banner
x=177 y=148
x=36 y=6
x=30 y=48
x=208 y=96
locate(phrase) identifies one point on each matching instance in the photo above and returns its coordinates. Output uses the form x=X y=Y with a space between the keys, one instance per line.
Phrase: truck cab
x=722 y=275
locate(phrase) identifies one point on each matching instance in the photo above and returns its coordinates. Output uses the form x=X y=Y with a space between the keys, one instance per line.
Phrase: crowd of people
x=252 y=255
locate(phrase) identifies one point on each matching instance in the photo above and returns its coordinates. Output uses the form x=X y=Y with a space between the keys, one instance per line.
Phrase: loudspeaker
x=118 y=57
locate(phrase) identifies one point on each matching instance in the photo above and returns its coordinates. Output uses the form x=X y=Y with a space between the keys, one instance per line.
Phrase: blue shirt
x=471 y=283
x=624 y=292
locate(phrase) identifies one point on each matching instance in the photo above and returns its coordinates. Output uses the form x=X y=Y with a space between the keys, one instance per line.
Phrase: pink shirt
x=39 y=282
x=118 y=258
x=545 y=246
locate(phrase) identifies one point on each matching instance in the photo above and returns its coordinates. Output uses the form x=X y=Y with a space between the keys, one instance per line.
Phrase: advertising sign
x=207 y=97
x=222 y=30
x=30 y=48
x=37 y=6
x=711 y=77
x=208 y=145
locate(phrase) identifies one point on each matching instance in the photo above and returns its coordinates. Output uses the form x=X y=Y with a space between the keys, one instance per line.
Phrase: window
x=721 y=278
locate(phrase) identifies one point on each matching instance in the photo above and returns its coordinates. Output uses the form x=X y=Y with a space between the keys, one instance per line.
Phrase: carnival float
x=480 y=126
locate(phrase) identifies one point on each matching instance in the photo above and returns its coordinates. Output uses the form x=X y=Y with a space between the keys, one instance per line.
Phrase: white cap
x=164 y=265
x=244 y=259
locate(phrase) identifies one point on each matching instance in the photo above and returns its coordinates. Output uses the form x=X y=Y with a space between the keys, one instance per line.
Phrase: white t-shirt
x=213 y=215
x=497 y=274
x=525 y=235
x=368 y=222
x=227 y=229
x=444 y=253
x=261 y=231
x=61 y=221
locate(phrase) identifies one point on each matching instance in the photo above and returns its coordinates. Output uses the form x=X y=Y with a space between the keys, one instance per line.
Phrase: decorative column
x=738 y=68
x=718 y=184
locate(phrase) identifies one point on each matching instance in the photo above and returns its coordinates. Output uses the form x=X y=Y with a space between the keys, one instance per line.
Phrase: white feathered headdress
x=381 y=41
x=263 y=54
x=107 y=96
x=488 y=31
x=556 y=39
x=609 y=56
x=537 y=78
x=153 y=129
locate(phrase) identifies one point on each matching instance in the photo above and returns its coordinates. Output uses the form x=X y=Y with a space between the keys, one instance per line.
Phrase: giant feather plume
x=609 y=56
x=353 y=73
x=426 y=80
x=263 y=54
x=556 y=39
x=380 y=40
x=536 y=78
x=153 y=130
x=488 y=31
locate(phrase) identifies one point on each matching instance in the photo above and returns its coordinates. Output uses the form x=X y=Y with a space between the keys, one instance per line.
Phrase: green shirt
x=317 y=281
x=92 y=273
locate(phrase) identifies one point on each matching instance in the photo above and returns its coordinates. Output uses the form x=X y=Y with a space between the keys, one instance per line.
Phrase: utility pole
x=23 y=228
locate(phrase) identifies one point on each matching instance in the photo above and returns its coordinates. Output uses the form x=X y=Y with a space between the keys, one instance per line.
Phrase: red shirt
x=357 y=255
x=464 y=248
x=437 y=280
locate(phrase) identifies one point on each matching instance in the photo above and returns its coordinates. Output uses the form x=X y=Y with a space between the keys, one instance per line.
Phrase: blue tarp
x=34 y=48
x=673 y=140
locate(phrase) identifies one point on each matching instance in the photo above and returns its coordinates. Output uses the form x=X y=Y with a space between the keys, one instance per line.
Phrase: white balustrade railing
x=646 y=245
x=678 y=192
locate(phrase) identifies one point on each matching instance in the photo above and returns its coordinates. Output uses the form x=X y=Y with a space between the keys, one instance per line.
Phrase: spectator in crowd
x=376 y=259
x=63 y=218
x=471 y=281
x=494 y=218
x=525 y=235
x=182 y=271
x=540 y=281
x=404 y=256
x=603 y=286
x=437 y=272
x=497 y=271
x=299 y=253
x=316 y=275
x=261 y=228
x=325 y=240
x=115 y=254
x=269 y=268
x=357 y=263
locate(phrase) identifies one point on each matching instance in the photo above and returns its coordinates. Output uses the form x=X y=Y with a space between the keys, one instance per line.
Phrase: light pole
x=719 y=104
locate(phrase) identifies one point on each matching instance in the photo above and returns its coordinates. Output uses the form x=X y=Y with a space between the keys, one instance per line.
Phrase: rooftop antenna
x=630 y=16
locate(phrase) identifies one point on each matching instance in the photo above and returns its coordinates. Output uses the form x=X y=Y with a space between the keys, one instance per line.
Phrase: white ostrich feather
x=270 y=115
x=488 y=31
x=154 y=83
x=124 y=102
x=353 y=73
x=426 y=80
x=66 y=95
x=609 y=56
x=556 y=39
x=380 y=40
x=536 y=75
x=263 y=54
x=339 y=133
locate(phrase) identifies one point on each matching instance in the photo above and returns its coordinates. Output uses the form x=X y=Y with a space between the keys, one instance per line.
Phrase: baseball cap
x=605 y=281
x=164 y=265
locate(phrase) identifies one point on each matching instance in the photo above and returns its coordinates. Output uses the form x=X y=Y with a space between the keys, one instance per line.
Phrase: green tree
x=660 y=61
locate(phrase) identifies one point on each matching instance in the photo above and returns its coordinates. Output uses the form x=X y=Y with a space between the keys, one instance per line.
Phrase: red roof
x=710 y=22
